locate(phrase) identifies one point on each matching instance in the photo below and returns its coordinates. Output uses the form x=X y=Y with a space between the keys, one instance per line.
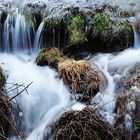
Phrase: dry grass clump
x=6 y=120
x=50 y=57
x=83 y=125
x=7 y=123
x=82 y=77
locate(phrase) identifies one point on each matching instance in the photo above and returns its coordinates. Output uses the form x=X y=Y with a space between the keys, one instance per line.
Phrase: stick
x=20 y=92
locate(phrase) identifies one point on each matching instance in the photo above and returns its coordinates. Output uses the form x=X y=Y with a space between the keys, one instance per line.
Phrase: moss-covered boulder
x=82 y=77
x=109 y=35
x=100 y=30
x=50 y=57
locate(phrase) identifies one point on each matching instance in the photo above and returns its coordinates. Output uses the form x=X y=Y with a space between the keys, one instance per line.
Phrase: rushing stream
x=47 y=97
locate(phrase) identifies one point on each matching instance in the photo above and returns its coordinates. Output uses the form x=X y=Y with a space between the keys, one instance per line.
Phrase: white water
x=17 y=33
x=47 y=96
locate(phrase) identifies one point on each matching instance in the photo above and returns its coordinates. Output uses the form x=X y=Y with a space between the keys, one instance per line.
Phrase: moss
x=122 y=28
x=50 y=57
x=76 y=27
x=100 y=25
x=125 y=13
x=51 y=22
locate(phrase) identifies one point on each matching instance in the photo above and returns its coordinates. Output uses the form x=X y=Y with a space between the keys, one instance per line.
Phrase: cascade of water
x=17 y=33
x=38 y=38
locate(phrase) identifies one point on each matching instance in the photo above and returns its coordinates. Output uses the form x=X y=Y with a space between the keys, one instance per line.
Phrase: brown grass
x=83 y=125
x=82 y=77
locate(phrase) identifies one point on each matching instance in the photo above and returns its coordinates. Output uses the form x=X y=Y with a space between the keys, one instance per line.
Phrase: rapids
x=47 y=97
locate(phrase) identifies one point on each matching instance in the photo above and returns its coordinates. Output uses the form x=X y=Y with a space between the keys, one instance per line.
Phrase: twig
x=20 y=92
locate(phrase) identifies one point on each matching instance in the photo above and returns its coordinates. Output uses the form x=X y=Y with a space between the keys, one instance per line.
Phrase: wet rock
x=130 y=80
x=83 y=78
x=109 y=35
x=98 y=30
x=85 y=124
x=50 y=57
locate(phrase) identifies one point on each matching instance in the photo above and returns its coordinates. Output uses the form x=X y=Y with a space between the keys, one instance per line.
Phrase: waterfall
x=17 y=33
x=38 y=38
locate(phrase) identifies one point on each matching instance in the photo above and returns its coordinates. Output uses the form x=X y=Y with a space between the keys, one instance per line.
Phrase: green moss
x=77 y=37
x=122 y=29
x=51 y=22
x=76 y=27
x=50 y=57
x=100 y=25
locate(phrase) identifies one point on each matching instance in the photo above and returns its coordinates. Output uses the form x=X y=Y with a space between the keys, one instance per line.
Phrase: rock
x=109 y=35
x=82 y=77
x=85 y=124
x=50 y=57
x=130 y=80
x=98 y=30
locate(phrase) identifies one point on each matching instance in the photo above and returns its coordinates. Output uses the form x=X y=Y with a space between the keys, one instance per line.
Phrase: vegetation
x=51 y=22
x=82 y=77
x=83 y=125
x=50 y=57
x=101 y=26
x=76 y=27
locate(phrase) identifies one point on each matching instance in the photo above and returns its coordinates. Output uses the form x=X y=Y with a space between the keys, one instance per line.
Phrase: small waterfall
x=38 y=38
x=17 y=33
x=135 y=24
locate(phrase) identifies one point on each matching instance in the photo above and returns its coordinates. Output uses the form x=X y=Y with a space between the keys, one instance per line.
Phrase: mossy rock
x=108 y=35
x=82 y=77
x=50 y=57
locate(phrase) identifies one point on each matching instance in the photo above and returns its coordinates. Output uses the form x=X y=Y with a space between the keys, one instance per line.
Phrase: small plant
x=101 y=25
x=76 y=27
x=51 y=22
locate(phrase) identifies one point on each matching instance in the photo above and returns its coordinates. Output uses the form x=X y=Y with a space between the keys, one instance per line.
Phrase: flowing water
x=47 y=97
